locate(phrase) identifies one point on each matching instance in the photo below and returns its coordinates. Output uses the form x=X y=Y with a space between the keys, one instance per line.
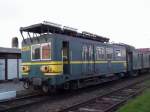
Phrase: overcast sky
x=125 y=21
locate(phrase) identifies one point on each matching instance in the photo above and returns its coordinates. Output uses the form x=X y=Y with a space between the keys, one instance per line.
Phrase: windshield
x=41 y=51
x=36 y=52
x=46 y=51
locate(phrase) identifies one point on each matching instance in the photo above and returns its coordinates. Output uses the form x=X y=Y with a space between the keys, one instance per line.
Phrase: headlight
x=45 y=69
x=25 y=68
x=51 y=68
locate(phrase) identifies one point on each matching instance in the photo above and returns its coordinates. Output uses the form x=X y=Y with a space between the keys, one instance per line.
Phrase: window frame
x=50 y=51
x=32 y=52
x=41 y=59
x=118 y=51
x=112 y=53
x=101 y=49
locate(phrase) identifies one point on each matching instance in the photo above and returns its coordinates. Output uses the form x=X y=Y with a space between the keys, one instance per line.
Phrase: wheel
x=26 y=85
x=121 y=75
x=74 y=86
x=48 y=89
x=45 y=88
x=52 y=89
x=135 y=74
x=67 y=86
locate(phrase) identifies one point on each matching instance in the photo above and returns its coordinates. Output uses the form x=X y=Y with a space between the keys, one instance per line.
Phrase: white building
x=10 y=60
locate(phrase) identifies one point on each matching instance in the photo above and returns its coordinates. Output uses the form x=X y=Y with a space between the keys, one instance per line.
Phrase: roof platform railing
x=42 y=28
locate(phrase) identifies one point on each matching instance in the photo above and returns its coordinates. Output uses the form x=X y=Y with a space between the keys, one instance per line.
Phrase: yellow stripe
x=118 y=61
x=101 y=61
x=25 y=73
x=27 y=48
x=52 y=73
x=43 y=63
x=66 y=62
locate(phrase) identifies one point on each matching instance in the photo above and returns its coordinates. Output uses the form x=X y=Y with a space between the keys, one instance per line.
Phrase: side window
x=36 y=54
x=100 y=53
x=109 y=53
x=84 y=52
x=90 y=52
x=118 y=53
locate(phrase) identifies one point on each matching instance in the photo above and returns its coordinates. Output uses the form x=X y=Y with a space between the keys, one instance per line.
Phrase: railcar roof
x=41 y=28
x=49 y=27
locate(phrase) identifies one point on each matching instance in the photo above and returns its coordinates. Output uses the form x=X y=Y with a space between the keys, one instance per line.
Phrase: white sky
x=125 y=21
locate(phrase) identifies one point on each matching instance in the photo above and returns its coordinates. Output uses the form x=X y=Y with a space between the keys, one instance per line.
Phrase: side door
x=91 y=61
x=142 y=64
x=109 y=57
x=130 y=61
x=84 y=58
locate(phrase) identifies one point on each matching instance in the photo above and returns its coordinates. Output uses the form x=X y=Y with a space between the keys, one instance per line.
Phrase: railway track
x=79 y=100
x=108 y=102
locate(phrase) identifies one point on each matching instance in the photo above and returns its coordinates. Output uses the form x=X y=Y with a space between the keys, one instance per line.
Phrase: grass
x=140 y=104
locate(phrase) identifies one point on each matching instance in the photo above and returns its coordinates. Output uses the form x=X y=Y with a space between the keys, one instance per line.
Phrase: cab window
x=41 y=51
x=46 y=51
x=36 y=55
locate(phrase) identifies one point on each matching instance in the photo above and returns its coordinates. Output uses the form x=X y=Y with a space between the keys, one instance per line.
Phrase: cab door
x=65 y=57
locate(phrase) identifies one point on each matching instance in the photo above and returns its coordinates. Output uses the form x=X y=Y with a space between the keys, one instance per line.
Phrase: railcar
x=54 y=57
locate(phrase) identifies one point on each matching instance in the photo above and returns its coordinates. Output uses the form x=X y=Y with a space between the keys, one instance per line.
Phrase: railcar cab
x=39 y=61
x=41 y=47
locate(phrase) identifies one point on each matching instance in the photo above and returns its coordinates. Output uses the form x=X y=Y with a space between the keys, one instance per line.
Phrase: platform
x=11 y=86
x=7 y=88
